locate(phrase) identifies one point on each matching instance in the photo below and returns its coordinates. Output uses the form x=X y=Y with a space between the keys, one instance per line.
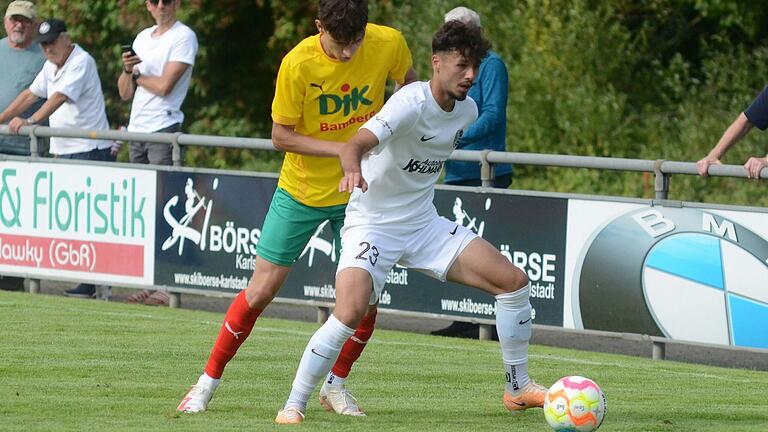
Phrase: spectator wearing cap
x=22 y=60
x=70 y=82
x=156 y=75
x=488 y=132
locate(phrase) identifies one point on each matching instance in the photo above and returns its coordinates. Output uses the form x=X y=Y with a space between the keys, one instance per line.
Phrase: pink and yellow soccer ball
x=575 y=404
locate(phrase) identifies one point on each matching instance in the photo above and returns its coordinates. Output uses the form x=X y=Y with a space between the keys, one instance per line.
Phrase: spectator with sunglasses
x=156 y=75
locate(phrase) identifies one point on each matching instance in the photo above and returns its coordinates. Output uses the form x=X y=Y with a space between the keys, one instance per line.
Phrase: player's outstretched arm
x=350 y=156
x=736 y=131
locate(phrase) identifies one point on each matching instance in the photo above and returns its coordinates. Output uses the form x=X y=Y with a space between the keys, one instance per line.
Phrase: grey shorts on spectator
x=153 y=153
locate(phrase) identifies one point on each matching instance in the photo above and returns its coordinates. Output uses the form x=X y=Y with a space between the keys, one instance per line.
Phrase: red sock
x=354 y=346
x=238 y=323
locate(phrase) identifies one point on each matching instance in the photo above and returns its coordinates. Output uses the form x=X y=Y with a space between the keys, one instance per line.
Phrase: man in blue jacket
x=489 y=131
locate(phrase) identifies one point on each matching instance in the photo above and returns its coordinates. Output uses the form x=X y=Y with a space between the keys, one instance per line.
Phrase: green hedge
x=655 y=79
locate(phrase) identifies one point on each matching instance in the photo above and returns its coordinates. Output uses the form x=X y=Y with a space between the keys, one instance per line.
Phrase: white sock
x=335 y=380
x=513 y=324
x=318 y=358
x=208 y=381
x=517 y=378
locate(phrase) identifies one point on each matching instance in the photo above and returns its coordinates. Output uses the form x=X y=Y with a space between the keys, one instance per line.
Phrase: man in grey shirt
x=22 y=60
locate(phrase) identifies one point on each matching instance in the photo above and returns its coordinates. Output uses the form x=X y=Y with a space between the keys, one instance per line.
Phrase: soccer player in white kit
x=391 y=166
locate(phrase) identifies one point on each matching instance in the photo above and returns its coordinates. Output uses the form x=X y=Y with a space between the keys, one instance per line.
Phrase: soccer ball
x=574 y=404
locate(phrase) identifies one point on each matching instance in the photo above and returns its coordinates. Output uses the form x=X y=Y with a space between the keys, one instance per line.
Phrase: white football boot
x=199 y=396
x=289 y=415
x=337 y=398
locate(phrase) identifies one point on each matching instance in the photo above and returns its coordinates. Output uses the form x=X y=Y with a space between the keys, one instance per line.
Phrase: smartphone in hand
x=127 y=48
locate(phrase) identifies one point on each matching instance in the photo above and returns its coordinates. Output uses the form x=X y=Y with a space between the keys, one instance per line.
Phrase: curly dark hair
x=466 y=39
x=344 y=20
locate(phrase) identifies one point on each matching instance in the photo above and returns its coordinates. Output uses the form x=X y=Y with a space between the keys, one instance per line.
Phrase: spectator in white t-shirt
x=70 y=82
x=156 y=76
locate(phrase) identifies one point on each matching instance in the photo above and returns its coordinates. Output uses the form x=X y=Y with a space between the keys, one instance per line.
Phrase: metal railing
x=661 y=169
x=177 y=140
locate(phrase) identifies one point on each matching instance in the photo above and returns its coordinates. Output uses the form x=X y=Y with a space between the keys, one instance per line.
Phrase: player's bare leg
x=353 y=293
x=482 y=266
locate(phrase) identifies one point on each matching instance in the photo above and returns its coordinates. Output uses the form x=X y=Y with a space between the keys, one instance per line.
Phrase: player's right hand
x=702 y=166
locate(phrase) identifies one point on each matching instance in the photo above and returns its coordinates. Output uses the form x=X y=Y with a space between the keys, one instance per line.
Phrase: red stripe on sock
x=352 y=349
x=238 y=323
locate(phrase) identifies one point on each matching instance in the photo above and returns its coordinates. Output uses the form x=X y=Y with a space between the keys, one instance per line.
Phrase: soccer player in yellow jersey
x=327 y=87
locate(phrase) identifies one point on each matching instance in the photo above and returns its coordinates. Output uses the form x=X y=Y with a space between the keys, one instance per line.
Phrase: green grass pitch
x=89 y=365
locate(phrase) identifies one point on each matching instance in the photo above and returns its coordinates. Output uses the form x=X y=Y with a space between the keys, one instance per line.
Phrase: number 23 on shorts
x=373 y=256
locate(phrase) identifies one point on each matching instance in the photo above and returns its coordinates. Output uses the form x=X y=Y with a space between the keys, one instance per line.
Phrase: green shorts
x=290 y=225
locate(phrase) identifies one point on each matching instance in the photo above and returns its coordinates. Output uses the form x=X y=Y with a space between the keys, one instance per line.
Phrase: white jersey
x=79 y=81
x=150 y=112
x=416 y=137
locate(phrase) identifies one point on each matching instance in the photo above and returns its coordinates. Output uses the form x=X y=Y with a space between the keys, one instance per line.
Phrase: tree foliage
x=654 y=79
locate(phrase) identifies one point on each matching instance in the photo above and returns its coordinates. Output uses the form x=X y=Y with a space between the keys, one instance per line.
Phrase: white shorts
x=376 y=248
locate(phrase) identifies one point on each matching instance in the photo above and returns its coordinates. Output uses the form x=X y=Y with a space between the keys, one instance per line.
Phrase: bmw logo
x=683 y=273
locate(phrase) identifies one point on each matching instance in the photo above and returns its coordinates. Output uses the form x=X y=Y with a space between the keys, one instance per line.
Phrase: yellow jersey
x=327 y=99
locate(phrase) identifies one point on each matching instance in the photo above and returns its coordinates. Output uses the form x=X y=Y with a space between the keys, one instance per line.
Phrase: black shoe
x=82 y=291
x=462 y=329
x=459 y=329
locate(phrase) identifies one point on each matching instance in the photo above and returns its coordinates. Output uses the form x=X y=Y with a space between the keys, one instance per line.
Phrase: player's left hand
x=754 y=165
x=349 y=156
x=351 y=180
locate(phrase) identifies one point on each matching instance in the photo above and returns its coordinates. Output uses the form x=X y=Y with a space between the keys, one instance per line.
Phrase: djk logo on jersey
x=349 y=101
x=683 y=273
